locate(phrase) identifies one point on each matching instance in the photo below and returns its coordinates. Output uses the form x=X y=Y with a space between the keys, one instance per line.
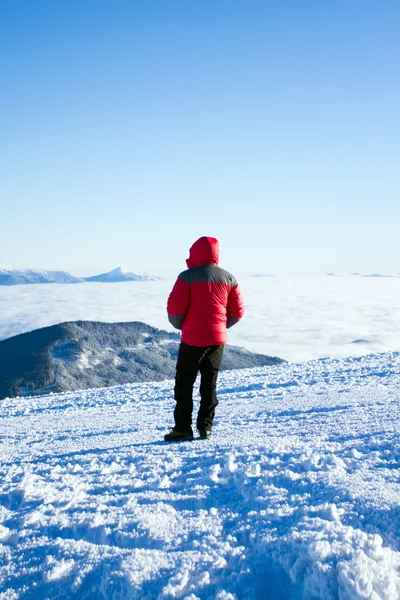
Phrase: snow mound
x=296 y=495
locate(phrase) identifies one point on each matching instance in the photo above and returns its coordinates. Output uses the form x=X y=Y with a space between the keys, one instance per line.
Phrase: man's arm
x=178 y=303
x=235 y=307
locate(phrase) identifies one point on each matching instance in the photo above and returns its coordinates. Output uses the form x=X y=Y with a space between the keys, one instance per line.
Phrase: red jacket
x=205 y=299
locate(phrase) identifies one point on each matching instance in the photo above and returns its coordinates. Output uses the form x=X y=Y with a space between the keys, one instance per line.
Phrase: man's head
x=205 y=251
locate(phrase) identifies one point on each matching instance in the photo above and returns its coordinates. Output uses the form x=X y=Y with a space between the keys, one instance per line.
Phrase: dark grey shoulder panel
x=186 y=275
x=208 y=273
x=213 y=273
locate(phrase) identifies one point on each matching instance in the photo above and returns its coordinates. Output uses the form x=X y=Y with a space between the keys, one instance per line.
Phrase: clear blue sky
x=130 y=128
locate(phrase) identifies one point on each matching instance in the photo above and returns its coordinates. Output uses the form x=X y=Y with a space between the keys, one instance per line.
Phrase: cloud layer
x=296 y=318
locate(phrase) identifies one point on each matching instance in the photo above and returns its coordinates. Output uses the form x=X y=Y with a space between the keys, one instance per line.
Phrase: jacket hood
x=205 y=251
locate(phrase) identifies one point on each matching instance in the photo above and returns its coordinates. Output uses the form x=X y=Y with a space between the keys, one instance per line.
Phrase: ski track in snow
x=296 y=496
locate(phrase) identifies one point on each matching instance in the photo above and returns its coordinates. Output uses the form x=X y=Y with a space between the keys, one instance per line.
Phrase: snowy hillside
x=296 y=496
x=87 y=354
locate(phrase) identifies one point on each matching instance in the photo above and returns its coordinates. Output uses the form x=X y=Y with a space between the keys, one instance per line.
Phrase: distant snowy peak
x=120 y=274
x=120 y=271
x=10 y=276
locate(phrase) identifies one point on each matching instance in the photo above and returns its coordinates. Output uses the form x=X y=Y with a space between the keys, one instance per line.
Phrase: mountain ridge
x=10 y=276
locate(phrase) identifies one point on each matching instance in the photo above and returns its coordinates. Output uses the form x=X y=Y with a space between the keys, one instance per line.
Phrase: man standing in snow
x=204 y=302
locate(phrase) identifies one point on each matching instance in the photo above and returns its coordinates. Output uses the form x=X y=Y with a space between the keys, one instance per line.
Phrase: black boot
x=178 y=436
x=204 y=434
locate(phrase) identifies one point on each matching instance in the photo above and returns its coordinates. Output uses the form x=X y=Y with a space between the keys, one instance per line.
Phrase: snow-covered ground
x=296 y=318
x=296 y=496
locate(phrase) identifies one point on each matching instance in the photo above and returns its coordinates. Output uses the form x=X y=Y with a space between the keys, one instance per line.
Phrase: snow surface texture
x=291 y=317
x=296 y=495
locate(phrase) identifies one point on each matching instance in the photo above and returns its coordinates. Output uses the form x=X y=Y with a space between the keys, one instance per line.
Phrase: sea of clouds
x=296 y=318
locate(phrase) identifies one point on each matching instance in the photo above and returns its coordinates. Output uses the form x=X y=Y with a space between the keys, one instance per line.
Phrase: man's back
x=205 y=297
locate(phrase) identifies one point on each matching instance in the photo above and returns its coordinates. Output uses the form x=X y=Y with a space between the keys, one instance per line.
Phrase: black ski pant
x=191 y=360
